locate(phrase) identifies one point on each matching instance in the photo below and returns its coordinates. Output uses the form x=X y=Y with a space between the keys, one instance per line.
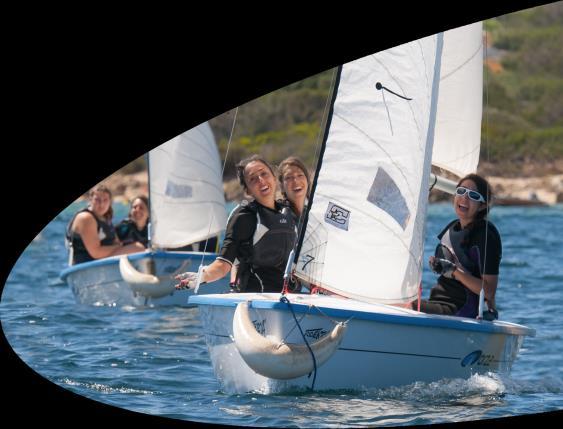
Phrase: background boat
x=187 y=207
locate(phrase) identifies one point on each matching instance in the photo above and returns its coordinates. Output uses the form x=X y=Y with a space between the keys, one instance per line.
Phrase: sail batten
x=187 y=199
x=363 y=237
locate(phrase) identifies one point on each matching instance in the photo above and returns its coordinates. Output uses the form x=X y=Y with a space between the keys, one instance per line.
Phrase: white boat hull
x=100 y=282
x=383 y=346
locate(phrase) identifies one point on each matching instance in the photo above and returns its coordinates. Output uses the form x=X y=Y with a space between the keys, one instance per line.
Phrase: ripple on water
x=155 y=360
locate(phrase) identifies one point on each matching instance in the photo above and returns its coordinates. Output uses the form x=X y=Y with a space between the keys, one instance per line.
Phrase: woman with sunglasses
x=468 y=256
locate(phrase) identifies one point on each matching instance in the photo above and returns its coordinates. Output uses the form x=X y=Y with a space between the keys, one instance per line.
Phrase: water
x=155 y=361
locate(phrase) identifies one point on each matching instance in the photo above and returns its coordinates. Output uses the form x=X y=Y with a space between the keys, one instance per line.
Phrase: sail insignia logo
x=315 y=333
x=471 y=358
x=337 y=216
x=176 y=190
x=260 y=326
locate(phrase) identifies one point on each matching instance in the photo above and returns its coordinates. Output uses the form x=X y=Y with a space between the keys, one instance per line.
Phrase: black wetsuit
x=261 y=240
x=450 y=296
x=128 y=233
x=106 y=233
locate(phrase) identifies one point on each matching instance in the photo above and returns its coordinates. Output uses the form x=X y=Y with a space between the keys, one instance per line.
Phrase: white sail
x=187 y=199
x=457 y=138
x=364 y=236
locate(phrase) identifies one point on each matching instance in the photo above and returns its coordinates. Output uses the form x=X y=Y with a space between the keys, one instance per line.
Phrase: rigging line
x=285 y=300
x=328 y=317
x=150 y=219
x=222 y=173
x=484 y=41
x=328 y=123
x=313 y=235
x=315 y=247
x=283 y=341
x=318 y=146
x=433 y=184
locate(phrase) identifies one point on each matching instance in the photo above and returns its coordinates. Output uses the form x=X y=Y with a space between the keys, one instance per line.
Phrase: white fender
x=278 y=360
x=142 y=283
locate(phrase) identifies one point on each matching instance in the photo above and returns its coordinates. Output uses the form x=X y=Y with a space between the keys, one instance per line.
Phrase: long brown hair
x=242 y=165
x=293 y=161
x=484 y=188
x=108 y=216
x=145 y=201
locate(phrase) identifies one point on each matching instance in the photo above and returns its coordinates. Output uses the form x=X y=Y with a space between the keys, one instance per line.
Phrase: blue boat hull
x=100 y=283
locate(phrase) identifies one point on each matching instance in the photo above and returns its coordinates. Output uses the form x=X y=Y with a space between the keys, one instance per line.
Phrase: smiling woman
x=259 y=235
x=135 y=226
x=295 y=183
x=468 y=255
x=90 y=233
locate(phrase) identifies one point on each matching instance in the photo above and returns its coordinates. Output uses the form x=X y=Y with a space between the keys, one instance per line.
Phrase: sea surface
x=155 y=361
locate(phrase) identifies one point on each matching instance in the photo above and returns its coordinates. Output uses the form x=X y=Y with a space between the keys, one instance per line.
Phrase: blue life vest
x=458 y=241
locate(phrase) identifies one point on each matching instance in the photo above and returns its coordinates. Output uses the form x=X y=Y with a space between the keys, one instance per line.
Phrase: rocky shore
x=541 y=190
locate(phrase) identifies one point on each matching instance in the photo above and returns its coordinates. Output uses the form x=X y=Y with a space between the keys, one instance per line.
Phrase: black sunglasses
x=473 y=195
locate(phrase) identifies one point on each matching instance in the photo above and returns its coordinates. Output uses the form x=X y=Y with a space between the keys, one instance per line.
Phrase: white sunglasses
x=473 y=195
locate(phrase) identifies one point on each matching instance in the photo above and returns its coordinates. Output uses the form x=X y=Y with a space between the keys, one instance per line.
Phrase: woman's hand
x=442 y=266
x=187 y=280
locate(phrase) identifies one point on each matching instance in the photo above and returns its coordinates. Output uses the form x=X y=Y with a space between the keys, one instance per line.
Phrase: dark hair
x=144 y=199
x=293 y=161
x=103 y=188
x=242 y=165
x=484 y=188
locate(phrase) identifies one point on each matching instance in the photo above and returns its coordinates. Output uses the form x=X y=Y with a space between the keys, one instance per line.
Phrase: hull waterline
x=383 y=346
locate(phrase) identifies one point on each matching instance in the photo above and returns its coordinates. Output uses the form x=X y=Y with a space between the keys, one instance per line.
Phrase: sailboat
x=392 y=115
x=187 y=207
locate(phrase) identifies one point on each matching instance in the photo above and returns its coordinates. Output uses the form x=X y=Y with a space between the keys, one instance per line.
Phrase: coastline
x=538 y=190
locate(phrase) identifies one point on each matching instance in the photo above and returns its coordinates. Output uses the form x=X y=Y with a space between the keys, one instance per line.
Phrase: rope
x=222 y=172
x=330 y=318
x=301 y=224
x=433 y=184
x=488 y=161
x=285 y=300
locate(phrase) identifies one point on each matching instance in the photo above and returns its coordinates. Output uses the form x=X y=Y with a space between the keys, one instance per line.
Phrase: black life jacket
x=458 y=241
x=128 y=233
x=454 y=239
x=269 y=246
x=77 y=249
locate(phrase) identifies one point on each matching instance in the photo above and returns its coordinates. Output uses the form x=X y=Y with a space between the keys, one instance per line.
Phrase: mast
x=149 y=226
x=319 y=164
